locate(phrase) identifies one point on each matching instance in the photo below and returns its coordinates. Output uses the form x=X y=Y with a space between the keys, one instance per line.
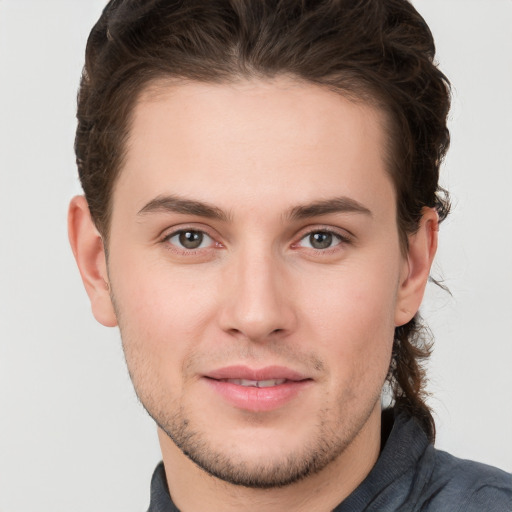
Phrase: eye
x=321 y=240
x=190 y=239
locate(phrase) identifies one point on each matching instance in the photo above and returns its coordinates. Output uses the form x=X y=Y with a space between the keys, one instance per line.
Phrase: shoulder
x=466 y=486
x=413 y=476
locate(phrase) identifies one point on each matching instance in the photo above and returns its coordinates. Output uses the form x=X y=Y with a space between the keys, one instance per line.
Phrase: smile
x=257 y=390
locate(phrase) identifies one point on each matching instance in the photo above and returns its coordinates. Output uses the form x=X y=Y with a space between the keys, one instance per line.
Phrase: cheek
x=158 y=294
x=353 y=319
x=161 y=314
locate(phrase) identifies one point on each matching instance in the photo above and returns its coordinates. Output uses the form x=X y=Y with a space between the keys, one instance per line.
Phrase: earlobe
x=87 y=246
x=420 y=255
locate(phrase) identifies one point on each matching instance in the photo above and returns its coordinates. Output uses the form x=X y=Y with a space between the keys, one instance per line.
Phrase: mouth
x=255 y=383
x=257 y=390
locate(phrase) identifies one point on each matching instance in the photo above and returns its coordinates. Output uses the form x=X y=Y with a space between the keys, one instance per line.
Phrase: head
x=376 y=57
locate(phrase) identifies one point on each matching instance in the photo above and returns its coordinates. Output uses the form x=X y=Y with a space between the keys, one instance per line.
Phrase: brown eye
x=190 y=239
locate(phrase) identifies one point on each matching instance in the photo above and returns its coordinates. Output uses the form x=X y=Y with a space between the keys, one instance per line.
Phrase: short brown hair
x=378 y=51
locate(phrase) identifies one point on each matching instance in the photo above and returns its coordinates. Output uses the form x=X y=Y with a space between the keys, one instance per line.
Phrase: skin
x=258 y=291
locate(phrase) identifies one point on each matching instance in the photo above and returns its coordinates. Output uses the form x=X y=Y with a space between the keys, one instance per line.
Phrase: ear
x=87 y=246
x=416 y=269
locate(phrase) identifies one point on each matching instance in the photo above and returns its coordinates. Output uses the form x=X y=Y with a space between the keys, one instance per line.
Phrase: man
x=260 y=218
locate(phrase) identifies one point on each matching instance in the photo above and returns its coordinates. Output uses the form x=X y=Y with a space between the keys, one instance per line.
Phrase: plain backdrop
x=72 y=434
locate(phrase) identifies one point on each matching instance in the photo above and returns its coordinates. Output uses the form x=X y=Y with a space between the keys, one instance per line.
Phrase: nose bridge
x=258 y=305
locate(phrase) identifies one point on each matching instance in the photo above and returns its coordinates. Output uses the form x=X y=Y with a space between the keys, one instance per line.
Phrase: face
x=255 y=270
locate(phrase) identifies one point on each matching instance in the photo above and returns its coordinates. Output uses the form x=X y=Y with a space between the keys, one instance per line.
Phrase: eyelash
x=343 y=240
x=186 y=251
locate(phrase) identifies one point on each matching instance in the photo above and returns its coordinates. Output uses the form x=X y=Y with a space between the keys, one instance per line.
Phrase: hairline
x=152 y=88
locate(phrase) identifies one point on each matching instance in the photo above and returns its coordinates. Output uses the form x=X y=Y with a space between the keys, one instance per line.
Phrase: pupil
x=191 y=239
x=320 y=240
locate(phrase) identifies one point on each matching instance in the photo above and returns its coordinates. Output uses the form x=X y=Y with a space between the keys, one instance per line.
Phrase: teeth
x=271 y=382
x=256 y=383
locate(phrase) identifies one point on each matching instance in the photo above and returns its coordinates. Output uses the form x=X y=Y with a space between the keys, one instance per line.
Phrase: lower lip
x=258 y=399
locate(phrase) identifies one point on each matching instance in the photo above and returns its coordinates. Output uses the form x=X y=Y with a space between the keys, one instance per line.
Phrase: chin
x=259 y=456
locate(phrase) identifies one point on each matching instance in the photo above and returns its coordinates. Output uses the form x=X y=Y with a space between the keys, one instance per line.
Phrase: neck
x=192 y=488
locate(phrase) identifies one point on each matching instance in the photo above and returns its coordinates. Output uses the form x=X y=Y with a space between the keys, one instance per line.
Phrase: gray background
x=72 y=435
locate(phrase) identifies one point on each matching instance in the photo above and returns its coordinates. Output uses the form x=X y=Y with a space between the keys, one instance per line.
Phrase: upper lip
x=256 y=374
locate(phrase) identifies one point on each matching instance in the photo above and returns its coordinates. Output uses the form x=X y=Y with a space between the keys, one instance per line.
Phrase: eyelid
x=205 y=239
x=173 y=231
x=187 y=226
x=343 y=235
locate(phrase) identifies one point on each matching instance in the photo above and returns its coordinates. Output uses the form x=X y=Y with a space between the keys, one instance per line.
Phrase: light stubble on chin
x=334 y=430
x=324 y=446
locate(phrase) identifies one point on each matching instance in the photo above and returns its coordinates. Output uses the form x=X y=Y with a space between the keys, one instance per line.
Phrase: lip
x=266 y=373
x=257 y=399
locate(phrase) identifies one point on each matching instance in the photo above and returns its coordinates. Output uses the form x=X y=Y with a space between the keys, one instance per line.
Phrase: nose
x=258 y=297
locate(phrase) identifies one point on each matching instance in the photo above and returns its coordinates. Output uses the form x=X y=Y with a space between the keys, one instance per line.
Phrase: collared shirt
x=409 y=476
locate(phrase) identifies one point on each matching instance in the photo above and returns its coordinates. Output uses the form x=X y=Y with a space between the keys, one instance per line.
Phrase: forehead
x=282 y=140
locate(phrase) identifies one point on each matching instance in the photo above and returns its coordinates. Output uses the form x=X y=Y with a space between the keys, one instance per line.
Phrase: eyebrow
x=175 y=204
x=334 y=205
